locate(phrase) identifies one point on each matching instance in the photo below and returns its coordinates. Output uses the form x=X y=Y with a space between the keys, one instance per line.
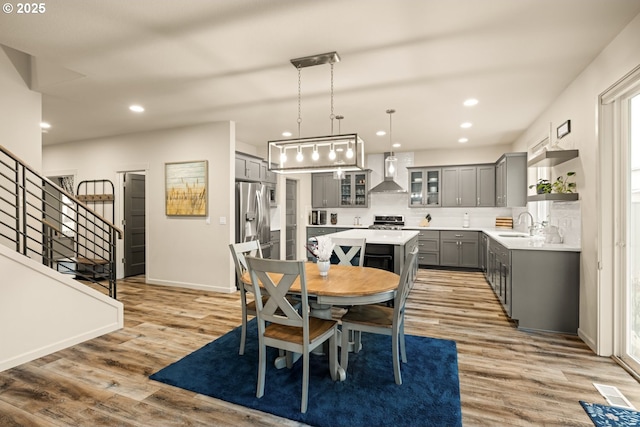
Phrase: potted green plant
x=542 y=187
x=562 y=184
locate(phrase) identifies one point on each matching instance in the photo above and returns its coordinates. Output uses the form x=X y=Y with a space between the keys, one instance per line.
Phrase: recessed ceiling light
x=286 y=134
x=136 y=108
x=463 y=140
x=470 y=102
x=396 y=145
x=381 y=133
x=466 y=125
x=45 y=125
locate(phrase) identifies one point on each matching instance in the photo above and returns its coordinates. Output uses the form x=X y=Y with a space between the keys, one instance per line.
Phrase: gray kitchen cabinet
x=485 y=185
x=354 y=190
x=428 y=247
x=538 y=289
x=483 y=253
x=459 y=249
x=249 y=168
x=252 y=168
x=325 y=190
x=268 y=175
x=511 y=180
x=500 y=273
x=459 y=186
x=424 y=187
x=275 y=244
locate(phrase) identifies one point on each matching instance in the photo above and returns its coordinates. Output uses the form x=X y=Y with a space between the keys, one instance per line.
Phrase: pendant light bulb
x=349 y=152
x=315 y=156
x=299 y=156
x=332 y=152
x=283 y=155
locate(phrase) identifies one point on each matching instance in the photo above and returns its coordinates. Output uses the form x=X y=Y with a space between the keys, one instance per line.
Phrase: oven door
x=379 y=256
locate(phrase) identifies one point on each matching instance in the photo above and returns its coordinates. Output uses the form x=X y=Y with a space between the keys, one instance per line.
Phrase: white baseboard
x=197 y=286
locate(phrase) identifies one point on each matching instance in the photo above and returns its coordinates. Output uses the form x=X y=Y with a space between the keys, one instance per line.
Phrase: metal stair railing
x=44 y=222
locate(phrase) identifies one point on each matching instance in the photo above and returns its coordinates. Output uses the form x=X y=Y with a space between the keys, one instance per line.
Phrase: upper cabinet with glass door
x=354 y=190
x=424 y=187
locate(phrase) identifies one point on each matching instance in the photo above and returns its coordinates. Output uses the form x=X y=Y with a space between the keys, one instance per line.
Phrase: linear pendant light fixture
x=332 y=153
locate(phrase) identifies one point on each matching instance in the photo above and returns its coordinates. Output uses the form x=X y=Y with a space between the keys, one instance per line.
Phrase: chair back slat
x=275 y=279
x=356 y=249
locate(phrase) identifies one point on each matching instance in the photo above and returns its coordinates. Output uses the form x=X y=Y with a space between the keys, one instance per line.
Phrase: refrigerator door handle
x=259 y=224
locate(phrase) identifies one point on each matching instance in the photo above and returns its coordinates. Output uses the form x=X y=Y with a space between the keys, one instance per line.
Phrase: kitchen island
x=384 y=248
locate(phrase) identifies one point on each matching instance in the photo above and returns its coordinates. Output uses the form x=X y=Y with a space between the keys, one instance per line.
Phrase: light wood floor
x=507 y=377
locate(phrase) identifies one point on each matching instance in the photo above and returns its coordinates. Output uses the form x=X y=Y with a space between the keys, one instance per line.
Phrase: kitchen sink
x=513 y=235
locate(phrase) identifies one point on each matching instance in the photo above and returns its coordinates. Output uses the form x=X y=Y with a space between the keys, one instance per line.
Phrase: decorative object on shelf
x=334 y=153
x=334 y=218
x=542 y=187
x=563 y=130
x=562 y=184
x=186 y=188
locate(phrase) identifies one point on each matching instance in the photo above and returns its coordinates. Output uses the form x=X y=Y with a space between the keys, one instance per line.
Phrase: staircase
x=42 y=221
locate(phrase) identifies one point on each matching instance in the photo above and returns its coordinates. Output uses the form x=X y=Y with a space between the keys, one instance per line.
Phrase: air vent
x=613 y=396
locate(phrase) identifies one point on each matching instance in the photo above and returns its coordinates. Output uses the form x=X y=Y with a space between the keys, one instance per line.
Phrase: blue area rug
x=611 y=416
x=428 y=396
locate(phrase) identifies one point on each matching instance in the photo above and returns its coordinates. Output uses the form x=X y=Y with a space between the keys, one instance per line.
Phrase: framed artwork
x=186 y=190
x=564 y=129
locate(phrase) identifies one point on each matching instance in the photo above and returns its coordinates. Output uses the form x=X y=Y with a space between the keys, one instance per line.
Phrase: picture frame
x=186 y=188
x=563 y=130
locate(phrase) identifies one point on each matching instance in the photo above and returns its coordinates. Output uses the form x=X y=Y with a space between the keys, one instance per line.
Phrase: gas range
x=387 y=222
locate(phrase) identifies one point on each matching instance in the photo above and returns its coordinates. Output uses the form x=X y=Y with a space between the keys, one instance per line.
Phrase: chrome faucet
x=533 y=226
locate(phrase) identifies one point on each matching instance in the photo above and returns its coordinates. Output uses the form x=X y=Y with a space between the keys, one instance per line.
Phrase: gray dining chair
x=239 y=251
x=282 y=326
x=381 y=319
x=354 y=254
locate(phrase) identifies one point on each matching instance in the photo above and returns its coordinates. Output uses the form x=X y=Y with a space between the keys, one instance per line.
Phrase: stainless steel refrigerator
x=253 y=221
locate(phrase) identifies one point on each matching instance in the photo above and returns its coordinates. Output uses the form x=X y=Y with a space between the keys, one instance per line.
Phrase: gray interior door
x=291 y=215
x=134 y=224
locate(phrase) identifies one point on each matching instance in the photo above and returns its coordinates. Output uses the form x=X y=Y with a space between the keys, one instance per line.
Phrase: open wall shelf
x=558 y=197
x=552 y=158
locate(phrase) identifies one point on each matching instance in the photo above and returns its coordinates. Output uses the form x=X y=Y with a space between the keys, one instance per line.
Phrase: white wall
x=20 y=108
x=579 y=103
x=465 y=154
x=185 y=252
x=42 y=311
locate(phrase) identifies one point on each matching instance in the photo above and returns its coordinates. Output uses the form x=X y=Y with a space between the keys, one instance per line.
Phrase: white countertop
x=508 y=239
x=501 y=235
x=384 y=237
x=340 y=226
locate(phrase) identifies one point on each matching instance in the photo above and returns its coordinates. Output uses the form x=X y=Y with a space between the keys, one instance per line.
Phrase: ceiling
x=195 y=61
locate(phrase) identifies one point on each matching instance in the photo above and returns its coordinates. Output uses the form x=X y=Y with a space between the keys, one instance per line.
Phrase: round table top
x=347 y=284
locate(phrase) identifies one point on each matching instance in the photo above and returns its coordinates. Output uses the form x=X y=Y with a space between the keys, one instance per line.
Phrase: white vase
x=323 y=267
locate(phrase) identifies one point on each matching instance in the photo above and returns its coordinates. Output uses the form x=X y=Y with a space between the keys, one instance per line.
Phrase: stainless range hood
x=388 y=185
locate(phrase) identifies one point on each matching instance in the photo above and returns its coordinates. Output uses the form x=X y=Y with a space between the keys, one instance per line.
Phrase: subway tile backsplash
x=564 y=215
x=397 y=204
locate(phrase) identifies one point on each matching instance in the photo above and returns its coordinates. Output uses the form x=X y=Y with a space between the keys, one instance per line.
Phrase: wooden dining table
x=344 y=285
